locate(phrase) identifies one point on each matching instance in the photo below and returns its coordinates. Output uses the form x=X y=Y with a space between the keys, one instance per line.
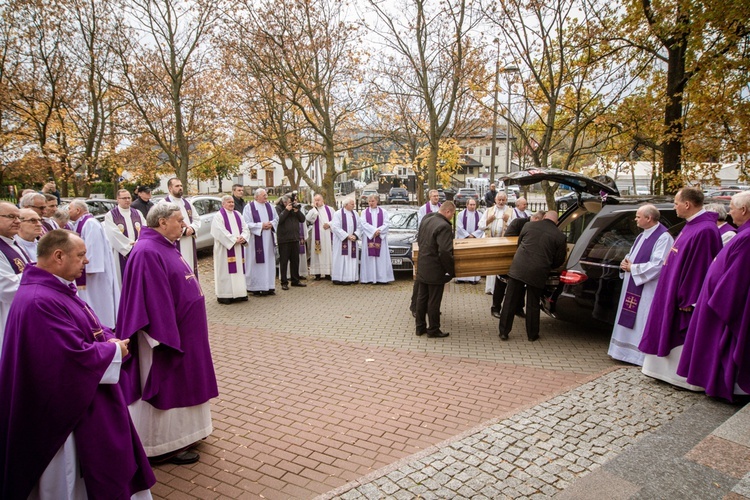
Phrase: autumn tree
x=162 y=62
x=428 y=55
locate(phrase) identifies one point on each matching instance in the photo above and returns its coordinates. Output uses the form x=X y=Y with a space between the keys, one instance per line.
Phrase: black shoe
x=503 y=336
x=284 y=286
x=298 y=284
x=336 y=282
x=317 y=277
x=495 y=313
x=225 y=301
x=421 y=332
x=185 y=458
x=533 y=339
x=438 y=335
x=271 y=292
x=303 y=278
x=241 y=299
x=258 y=294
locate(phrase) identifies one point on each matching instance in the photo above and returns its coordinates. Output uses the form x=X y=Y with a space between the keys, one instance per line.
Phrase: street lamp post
x=508 y=69
x=493 y=146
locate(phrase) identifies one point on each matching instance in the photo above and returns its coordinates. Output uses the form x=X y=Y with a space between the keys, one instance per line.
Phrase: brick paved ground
x=323 y=385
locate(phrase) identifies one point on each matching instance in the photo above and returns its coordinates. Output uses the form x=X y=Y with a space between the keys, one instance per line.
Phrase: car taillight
x=572 y=277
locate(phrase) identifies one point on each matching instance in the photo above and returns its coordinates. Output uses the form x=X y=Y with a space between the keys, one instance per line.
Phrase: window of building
x=253 y=175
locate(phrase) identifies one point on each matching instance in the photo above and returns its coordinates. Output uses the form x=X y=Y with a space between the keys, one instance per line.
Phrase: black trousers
x=289 y=257
x=498 y=293
x=429 y=298
x=514 y=300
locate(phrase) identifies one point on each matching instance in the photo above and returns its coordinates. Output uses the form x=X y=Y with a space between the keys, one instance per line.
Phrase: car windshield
x=404 y=220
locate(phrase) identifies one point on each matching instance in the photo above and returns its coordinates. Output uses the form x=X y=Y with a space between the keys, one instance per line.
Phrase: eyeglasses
x=33 y=220
x=39 y=207
x=11 y=217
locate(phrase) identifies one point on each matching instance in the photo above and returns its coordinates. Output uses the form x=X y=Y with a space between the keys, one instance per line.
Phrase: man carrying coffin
x=65 y=431
x=187 y=246
x=230 y=238
x=467 y=226
x=641 y=268
x=122 y=226
x=169 y=378
x=716 y=355
x=261 y=220
x=319 y=217
x=376 y=264
x=680 y=283
x=346 y=228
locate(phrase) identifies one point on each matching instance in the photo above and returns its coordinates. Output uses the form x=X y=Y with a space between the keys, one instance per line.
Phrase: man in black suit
x=238 y=193
x=435 y=268
x=541 y=248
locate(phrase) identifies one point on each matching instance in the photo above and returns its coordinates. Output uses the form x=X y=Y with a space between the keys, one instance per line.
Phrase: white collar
x=701 y=212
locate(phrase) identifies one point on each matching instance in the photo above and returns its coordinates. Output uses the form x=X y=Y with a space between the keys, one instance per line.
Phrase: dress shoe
x=533 y=339
x=224 y=301
x=437 y=335
x=336 y=282
x=241 y=299
x=271 y=292
x=317 y=277
x=421 y=332
x=303 y=278
x=299 y=284
x=284 y=286
x=185 y=458
x=503 y=336
x=495 y=313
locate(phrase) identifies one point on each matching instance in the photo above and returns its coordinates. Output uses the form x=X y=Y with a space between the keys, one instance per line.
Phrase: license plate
x=397 y=262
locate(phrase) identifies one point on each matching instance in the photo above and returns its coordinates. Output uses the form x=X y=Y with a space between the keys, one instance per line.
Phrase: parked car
x=566 y=201
x=600 y=231
x=723 y=194
x=464 y=195
x=98 y=207
x=207 y=207
x=366 y=194
x=397 y=195
x=401 y=234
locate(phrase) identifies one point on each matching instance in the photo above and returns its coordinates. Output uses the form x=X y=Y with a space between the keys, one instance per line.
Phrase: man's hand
x=189 y=231
x=241 y=240
x=326 y=225
x=123 y=345
x=625 y=265
x=352 y=237
x=377 y=233
x=267 y=225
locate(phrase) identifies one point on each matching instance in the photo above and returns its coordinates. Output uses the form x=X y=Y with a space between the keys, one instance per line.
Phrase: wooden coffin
x=479 y=256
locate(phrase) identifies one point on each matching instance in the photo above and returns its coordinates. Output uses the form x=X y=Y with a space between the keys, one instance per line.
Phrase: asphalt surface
x=325 y=392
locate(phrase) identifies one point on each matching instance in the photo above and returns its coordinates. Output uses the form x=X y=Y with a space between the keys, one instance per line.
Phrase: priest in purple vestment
x=65 y=431
x=679 y=285
x=717 y=348
x=169 y=378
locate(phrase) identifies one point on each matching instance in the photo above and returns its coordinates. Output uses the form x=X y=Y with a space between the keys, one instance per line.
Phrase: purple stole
x=317 y=229
x=633 y=293
x=81 y=280
x=726 y=228
x=46 y=227
x=16 y=262
x=231 y=254
x=260 y=254
x=302 y=238
x=345 y=247
x=373 y=245
x=428 y=209
x=521 y=215
x=466 y=219
x=119 y=220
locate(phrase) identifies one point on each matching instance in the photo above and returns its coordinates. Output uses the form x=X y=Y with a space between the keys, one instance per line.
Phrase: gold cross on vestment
x=631 y=302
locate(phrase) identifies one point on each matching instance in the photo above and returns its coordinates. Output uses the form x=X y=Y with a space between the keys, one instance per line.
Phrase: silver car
x=207 y=207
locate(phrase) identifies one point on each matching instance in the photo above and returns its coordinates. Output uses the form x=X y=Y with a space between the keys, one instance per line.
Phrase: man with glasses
x=35 y=201
x=12 y=260
x=122 y=225
x=29 y=232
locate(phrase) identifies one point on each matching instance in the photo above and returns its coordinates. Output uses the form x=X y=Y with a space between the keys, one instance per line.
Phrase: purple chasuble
x=466 y=219
x=16 y=262
x=161 y=296
x=373 y=245
x=50 y=371
x=81 y=280
x=633 y=293
x=260 y=254
x=680 y=283
x=231 y=253
x=119 y=220
x=726 y=228
x=318 y=229
x=346 y=248
x=717 y=347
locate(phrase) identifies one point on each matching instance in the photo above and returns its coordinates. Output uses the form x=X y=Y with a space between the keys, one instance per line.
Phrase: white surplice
x=229 y=285
x=375 y=269
x=624 y=342
x=495 y=228
x=345 y=268
x=320 y=254
x=28 y=246
x=101 y=291
x=121 y=244
x=471 y=228
x=187 y=243
x=9 y=282
x=425 y=209
x=260 y=277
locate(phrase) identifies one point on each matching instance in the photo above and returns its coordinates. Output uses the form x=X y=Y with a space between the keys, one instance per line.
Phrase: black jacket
x=239 y=204
x=541 y=248
x=141 y=205
x=435 y=240
x=287 y=230
x=489 y=198
x=516 y=225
